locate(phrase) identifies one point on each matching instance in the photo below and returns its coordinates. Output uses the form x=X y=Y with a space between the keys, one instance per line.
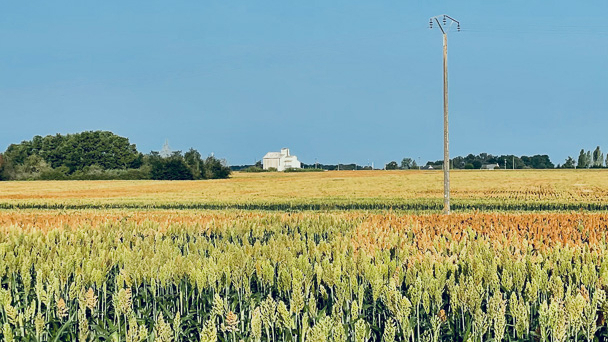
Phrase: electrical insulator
x=444 y=21
x=458 y=27
x=431 y=23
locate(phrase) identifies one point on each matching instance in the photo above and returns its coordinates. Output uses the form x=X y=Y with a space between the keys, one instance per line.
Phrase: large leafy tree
x=569 y=164
x=170 y=168
x=541 y=162
x=407 y=163
x=50 y=149
x=392 y=166
x=582 y=160
x=189 y=166
x=101 y=155
x=77 y=151
x=101 y=148
x=216 y=168
x=598 y=157
x=195 y=163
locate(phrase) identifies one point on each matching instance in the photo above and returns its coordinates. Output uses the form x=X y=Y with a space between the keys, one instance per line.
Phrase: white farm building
x=281 y=160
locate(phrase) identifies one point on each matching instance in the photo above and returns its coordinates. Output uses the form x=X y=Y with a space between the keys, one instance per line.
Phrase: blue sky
x=336 y=81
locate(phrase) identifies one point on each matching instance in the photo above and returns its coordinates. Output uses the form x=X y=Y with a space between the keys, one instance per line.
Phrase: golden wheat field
x=332 y=256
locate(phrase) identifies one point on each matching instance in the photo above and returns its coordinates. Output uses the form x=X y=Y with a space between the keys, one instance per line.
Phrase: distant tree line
x=472 y=161
x=339 y=166
x=406 y=164
x=258 y=167
x=586 y=159
x=538 y=161
x=101 y=155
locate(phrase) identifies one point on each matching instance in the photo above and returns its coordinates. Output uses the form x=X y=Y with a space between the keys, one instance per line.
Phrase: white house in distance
x=281 y=160
x=490 y=167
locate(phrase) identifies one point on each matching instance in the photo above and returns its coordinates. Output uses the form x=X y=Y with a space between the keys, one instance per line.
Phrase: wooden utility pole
x=446 y=136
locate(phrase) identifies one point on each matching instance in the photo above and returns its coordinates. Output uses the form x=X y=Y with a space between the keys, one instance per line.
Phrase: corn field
x=231 y=275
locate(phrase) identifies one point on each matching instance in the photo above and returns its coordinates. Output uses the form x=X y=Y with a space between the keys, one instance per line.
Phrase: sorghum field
x=333 y=256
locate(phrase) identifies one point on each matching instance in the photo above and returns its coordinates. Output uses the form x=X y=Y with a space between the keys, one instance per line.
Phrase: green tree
x=458 y=163
x=216 y=168
x=50 y=149
x=569 y=164
x=406 y=163
x=391 y=166
x=195 y=163
x=99 y=147
x=2 y=164
x=598 y=157
x=582 y=160
x=541 y=162
x=16 y=154
x=101 y=155
x=34 y=165
x=77 y=151
x=173 y=167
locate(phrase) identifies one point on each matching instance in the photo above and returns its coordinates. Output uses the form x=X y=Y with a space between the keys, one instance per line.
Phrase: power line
x=539 y=29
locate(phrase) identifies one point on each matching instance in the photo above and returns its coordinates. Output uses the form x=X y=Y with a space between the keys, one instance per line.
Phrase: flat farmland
x=413 y=190
x=343 y=256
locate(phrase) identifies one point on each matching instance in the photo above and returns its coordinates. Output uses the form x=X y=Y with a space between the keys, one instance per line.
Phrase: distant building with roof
x=490 y=166
x=281 y=160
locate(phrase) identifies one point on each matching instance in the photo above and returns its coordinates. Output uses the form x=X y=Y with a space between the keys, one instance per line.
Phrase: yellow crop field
x=505 y=189
x=237 y=260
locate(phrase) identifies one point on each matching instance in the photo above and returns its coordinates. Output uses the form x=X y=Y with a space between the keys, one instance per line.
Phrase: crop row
x=415 y=205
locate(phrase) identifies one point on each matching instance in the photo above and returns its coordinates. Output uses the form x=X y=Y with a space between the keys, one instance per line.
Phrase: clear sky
x=339 y=81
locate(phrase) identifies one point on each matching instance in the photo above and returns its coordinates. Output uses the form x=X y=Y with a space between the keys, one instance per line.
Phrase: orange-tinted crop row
x=537 y=228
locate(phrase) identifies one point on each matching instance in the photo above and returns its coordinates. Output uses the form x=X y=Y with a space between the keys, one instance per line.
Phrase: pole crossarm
x=444 y=27
x=445 y=24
